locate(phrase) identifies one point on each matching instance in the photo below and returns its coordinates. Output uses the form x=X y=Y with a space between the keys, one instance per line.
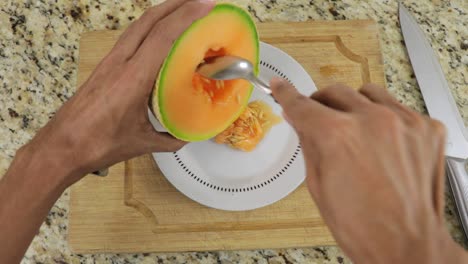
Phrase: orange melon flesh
x=189 y=106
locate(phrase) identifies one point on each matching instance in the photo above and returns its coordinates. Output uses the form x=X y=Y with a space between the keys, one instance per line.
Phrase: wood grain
x=135 y=209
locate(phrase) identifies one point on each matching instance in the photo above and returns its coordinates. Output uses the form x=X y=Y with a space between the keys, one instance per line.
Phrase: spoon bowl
x=230 y=68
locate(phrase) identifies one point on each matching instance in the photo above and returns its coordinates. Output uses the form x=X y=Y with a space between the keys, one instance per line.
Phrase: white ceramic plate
x=227 y=179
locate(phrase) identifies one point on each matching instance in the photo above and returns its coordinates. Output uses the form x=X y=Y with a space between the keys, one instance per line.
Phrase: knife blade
x=434 y=87
x=441 y=106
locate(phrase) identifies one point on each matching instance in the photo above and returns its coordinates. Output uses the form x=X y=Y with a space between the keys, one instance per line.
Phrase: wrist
x=451 y=252
x=433 y=245
x=52 y=164
x=436 y=247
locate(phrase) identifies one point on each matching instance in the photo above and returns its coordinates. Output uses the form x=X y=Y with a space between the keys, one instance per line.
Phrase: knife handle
x=102 y=172
x=458 y=178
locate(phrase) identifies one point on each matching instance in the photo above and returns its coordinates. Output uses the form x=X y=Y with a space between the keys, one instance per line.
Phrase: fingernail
x=276 y=81
x=206 y=1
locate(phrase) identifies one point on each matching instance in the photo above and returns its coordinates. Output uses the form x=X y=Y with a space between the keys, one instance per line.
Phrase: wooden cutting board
x=135 y=209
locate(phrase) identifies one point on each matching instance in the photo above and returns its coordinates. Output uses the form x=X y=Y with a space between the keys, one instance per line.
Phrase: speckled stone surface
x=38 y=54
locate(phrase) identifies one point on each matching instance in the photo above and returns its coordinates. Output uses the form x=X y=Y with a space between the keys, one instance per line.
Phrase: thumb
x=164 y=142
x=292 y=102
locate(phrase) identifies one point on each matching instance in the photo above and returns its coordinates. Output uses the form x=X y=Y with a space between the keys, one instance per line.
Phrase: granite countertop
x=38 y=63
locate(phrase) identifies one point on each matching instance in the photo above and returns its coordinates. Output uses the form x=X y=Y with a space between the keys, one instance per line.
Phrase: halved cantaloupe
x=189 y=106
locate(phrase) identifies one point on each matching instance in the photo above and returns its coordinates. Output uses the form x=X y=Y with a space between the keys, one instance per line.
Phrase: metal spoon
x=229 y=68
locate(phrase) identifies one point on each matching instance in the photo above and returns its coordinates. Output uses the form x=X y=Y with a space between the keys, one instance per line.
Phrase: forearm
x=451 y=252
x=34 y=181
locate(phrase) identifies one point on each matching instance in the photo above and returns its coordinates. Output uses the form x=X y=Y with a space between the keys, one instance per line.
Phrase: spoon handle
x=260 y=84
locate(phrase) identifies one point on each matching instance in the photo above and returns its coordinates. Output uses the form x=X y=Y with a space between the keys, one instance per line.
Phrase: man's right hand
x=375 y=169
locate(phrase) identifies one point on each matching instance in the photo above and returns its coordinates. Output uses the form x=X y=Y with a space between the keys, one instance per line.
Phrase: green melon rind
x=156 y=104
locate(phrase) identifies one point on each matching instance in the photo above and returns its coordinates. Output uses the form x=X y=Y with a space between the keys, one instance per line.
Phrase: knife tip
x=401 y=8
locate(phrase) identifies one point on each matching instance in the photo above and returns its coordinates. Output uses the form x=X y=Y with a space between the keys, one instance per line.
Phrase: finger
x=379 y=95
x=314 y=190
x=439 y=172
x=313 y=180
x=157 y=44
x=295 y=105
x=340 y=97
x=134 y=35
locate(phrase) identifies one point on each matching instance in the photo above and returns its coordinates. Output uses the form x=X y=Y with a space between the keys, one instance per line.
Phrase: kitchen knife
x=441 y=106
